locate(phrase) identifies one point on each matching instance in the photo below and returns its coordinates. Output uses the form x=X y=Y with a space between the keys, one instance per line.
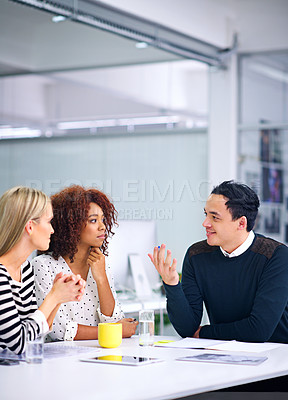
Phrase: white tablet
x=122 y=360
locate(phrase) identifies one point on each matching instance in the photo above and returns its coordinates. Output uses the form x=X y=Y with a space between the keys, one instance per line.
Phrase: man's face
x=220 y=229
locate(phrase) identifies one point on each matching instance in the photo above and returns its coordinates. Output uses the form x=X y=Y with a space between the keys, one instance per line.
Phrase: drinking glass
x=146 y=328
x=34 y=349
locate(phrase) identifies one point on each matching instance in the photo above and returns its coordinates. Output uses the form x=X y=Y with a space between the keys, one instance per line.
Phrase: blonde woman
x=25 y=225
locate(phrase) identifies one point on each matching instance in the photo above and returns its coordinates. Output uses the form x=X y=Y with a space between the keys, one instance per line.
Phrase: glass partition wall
x=263 y=137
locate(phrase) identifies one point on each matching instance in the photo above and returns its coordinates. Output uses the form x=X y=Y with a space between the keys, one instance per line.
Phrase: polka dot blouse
x=84 y=312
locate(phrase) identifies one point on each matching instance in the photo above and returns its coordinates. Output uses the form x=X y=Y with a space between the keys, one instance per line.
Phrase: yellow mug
x=109 y=334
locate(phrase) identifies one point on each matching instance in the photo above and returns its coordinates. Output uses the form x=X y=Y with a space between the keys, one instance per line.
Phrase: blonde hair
x=18 y=206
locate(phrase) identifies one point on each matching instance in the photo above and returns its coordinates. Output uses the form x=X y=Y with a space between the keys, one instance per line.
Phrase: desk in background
x=156 y=303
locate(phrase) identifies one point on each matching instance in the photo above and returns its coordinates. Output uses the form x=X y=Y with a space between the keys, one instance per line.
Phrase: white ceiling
x=31 y=42
x=261 y=25
x=70 y=71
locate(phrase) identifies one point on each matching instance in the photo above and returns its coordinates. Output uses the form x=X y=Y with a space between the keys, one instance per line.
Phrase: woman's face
x=42 y=229
x=93 y=234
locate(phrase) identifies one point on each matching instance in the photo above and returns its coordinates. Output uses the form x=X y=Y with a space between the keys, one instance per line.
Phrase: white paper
x=51 y=350
x=233 y=345
x=54 y=350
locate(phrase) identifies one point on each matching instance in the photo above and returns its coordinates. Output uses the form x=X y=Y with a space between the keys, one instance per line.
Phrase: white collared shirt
x=242 y=248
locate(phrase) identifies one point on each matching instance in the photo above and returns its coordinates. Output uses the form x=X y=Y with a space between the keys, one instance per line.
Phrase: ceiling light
x=161 y=119
x=165 y=119
x=201 y=124
x=58 y=18
x=17 y=133
x=141 y=45
x=87 y=124
x=189 y=123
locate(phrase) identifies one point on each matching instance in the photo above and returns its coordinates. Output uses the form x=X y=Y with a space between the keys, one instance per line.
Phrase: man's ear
x=242 y=223
x=29 y=227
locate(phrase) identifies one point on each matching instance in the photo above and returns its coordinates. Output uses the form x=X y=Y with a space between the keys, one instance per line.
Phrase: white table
x=69 y=379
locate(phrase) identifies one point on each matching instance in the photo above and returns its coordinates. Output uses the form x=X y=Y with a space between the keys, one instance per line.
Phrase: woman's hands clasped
x=68 y=287
x=163 y=265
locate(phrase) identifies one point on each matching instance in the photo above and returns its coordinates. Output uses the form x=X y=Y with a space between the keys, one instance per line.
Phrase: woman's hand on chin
x=96 y=262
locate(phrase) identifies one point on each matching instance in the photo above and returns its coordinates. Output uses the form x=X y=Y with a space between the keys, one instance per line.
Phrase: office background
x=153 y=126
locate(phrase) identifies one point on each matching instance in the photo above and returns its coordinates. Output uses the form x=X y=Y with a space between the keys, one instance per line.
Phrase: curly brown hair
x=70 y=208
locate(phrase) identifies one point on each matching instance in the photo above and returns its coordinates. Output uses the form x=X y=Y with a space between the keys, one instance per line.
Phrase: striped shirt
x=18 y=309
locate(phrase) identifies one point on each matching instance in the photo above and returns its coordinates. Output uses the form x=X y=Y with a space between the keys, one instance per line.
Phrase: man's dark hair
x=242 y=201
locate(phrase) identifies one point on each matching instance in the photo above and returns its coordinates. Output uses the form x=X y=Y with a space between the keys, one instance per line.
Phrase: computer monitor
x=132 y=237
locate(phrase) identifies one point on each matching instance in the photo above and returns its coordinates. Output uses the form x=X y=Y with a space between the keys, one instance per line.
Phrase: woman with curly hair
x=82 y=223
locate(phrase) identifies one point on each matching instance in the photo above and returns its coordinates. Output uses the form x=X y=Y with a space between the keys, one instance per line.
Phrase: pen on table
x=198 y=348
x=170 y=341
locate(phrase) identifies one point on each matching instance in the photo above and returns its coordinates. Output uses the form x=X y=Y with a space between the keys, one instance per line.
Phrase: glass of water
x=34 y=349
x=146 y=328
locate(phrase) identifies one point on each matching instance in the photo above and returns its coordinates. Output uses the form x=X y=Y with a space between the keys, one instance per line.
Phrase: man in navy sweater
x=241 y=277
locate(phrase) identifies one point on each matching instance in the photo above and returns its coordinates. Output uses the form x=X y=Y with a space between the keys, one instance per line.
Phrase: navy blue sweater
x=245 y=296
